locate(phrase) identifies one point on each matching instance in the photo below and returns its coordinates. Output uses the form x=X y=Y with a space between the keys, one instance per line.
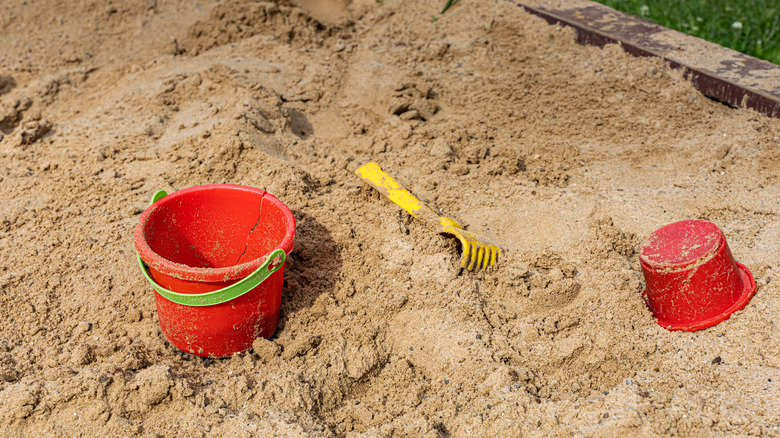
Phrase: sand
x=568 y=156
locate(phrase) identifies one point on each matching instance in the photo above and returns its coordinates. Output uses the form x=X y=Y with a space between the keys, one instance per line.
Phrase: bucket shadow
x=316 y=264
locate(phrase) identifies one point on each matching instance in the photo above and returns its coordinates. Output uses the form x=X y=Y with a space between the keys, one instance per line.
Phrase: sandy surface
x=569 y=156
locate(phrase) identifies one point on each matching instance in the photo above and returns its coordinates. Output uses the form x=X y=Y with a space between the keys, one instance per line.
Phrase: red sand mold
x=693 y=281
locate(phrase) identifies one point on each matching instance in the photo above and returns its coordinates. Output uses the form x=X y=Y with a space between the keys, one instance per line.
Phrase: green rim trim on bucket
x=223 y=295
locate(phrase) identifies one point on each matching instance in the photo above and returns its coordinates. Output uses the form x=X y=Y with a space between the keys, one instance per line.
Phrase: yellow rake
x=477 y=251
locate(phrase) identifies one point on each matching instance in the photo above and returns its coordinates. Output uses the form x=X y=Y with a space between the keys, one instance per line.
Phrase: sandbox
x=568 y=155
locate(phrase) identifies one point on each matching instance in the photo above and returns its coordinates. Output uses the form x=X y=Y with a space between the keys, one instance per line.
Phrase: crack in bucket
x=246 y=245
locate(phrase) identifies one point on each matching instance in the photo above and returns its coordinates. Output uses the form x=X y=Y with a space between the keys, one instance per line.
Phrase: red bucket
x=214 y=255
x=693 y=281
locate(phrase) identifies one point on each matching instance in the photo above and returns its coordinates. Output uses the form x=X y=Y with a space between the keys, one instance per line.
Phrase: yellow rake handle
x=388 y=186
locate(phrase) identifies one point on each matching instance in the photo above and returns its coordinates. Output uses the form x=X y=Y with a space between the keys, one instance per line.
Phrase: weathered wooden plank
x=723 y=74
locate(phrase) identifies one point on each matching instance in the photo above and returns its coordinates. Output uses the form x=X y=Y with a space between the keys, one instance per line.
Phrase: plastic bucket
x=214 y=254
x=693 y=281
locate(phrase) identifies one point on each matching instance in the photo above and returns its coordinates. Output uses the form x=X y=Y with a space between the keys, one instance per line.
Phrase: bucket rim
x=748 y=290
x=208 y=275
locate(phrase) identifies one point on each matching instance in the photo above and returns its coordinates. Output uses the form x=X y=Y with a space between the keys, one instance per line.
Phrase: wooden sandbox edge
x=723 y=74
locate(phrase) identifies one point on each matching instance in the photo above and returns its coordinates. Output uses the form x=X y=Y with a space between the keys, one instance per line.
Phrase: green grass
x=749 y=26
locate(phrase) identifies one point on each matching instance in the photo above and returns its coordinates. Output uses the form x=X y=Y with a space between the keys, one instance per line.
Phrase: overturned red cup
x=692 y=280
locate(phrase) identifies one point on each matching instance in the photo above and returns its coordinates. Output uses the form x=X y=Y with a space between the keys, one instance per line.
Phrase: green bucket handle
x=273 y=262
